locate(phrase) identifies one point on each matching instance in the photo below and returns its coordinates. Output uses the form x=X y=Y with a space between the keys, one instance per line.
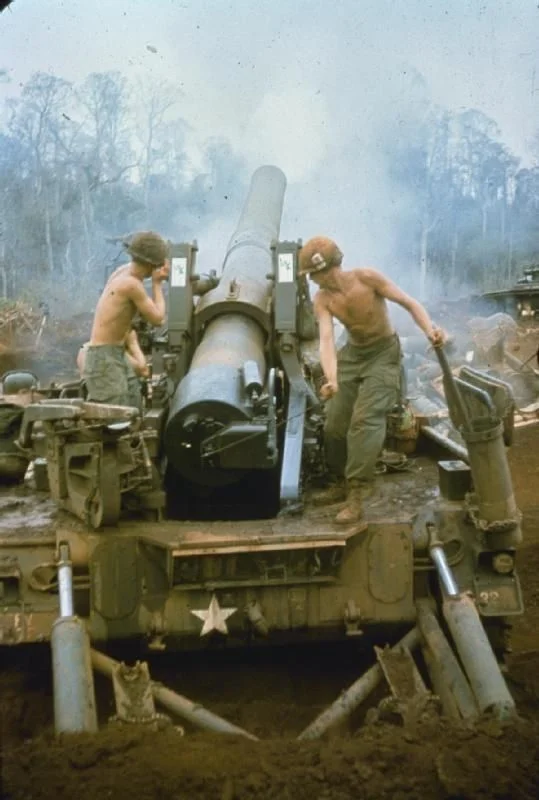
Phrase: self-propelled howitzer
x=179 y=533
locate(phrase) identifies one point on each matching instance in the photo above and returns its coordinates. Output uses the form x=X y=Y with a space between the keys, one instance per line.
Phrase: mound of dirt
x=432 y=760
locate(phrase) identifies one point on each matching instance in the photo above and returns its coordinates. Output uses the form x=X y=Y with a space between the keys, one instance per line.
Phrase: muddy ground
x=275 y=697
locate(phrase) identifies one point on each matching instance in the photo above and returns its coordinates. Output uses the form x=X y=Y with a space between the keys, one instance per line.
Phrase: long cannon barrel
x=228 y=368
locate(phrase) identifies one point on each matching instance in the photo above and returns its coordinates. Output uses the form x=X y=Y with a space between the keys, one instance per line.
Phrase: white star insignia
x=214 y=618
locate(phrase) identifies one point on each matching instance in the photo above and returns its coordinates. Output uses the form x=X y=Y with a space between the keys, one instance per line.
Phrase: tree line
x=83 y=165
x=473 y=221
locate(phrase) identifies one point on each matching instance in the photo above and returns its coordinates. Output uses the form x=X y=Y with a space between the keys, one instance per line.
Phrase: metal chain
x=497 y=526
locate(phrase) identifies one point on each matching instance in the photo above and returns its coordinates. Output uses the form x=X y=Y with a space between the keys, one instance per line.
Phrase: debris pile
x=31 y=339
x=21 y=326
x=488 y=344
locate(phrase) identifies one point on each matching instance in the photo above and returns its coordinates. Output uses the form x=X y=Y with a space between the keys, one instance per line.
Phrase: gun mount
x=222 y=414
x=234 y=359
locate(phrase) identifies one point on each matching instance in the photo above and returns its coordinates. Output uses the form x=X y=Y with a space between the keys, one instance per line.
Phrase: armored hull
x=287 y=578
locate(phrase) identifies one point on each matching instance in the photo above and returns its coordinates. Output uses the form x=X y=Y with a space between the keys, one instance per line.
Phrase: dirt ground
x=430 y=759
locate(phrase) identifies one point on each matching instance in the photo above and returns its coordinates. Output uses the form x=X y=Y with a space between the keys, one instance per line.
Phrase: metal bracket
x=300 y=393
x=293 y=447
x=401 y=673
x=180 y=305
x=133 y=696
x=352 y=619
x=409 y=695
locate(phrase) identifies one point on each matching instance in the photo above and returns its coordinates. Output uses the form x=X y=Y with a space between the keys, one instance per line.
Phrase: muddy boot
x=335 y=492
x=352 y=513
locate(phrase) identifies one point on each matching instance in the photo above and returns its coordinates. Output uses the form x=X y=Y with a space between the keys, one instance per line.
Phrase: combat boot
x=352 y=513
x=335 y=492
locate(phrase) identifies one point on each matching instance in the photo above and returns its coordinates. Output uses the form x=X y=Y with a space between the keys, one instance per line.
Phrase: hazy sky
x=305 y=85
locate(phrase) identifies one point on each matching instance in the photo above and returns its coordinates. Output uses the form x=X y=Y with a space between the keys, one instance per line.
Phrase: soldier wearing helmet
x=319 y=254
x=107 y=371
x=363 y=379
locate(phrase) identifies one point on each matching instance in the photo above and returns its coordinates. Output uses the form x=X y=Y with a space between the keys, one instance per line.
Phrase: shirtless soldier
x=363 y=379
x=107 y=371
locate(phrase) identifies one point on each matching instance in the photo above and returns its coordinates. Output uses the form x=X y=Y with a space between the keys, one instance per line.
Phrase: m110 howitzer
x=233 y=423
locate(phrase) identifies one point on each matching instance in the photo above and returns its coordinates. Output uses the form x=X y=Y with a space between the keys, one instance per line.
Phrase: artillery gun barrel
x=229 y=363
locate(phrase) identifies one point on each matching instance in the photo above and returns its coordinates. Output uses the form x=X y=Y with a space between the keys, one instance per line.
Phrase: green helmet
x=17 y=381
x=149 y=248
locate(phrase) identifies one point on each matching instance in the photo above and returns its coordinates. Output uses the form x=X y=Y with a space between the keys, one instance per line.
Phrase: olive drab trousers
x=110 y=378
x=134 y=387
x=369 y=379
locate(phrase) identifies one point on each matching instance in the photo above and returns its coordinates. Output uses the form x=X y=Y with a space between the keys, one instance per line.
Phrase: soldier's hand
x=438 y=337
x=161 y=274
x=329 y=389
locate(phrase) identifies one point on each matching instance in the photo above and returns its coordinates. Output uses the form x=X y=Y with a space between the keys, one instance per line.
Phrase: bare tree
x=105 y=155
x=36 y=123
x=153 y=130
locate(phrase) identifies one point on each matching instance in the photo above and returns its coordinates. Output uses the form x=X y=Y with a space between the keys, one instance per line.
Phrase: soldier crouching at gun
x=108 y=372
x=363 y=379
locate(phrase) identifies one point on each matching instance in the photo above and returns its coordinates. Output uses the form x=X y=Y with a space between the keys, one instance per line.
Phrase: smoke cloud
x=324 y=90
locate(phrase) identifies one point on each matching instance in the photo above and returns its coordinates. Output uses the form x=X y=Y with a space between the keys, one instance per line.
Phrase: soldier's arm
x=81 y=357
x=134 y=353
x=389 y=290
x=151 y=309
x=328 y=352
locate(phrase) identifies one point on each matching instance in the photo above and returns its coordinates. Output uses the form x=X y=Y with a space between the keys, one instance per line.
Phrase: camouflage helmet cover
x=149 y=248
x=317 y=254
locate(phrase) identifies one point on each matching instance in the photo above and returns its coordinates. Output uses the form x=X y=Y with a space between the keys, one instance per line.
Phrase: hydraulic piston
x=74 y=697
